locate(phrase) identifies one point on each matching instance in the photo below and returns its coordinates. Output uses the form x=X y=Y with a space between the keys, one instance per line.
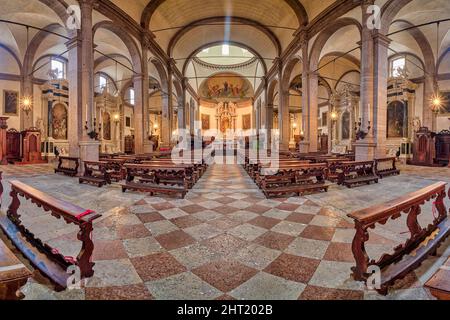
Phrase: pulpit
x=31 y=146
x=424 y=148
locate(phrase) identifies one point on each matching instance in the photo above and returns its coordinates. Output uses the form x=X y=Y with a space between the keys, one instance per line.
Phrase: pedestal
x=89 y=151
x=365 y=150
x=303 y=147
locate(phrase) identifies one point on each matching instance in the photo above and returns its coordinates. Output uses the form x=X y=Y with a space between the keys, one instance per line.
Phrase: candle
x=87 y=116
x=368 y=115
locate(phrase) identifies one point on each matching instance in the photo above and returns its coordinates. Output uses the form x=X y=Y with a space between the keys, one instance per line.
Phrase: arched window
x=102 y=83
x=130 y=97
x=58 y=68
x=397 y=120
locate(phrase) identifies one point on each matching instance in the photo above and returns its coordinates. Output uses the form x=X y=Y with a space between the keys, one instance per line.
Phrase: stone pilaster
x=283 y=110
x=304 y=145
x=379 y=111
x=76 y=121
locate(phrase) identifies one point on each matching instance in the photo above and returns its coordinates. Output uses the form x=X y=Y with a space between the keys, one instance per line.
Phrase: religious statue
x=40 y=125
x=53 y=74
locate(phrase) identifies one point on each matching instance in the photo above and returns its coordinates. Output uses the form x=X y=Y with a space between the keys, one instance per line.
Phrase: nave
x=231 y=243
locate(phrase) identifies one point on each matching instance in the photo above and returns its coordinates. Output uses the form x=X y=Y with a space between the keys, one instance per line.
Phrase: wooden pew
x=96 y=173
x=68 y=166
x=115 y=169
x=43 y=257
x=157 y=179
x=333 y=168
x=423 y=241
x=305 y=178
x=439 y=283
x=13 y=274
x=356 y=173
x=386 y=167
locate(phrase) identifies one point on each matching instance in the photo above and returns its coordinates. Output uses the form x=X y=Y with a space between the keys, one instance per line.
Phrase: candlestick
x=368 y=111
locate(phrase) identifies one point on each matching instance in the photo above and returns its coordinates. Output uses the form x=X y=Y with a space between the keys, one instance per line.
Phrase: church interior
x=224 y=149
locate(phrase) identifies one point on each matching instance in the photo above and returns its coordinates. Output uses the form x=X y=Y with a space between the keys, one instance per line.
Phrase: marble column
x=89 y=148
x=304 y=145
x=283 y=110
x=140 y=84
x=379 y=111
x=75 y=127
x=365 y=149
x=182 y=106
x=313 y=84
x=167 y=112
x=142 y=143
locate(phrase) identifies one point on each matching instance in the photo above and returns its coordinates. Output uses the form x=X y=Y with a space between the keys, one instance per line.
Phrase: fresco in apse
x=229 y=86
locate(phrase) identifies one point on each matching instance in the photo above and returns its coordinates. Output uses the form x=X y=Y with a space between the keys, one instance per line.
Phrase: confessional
x=13 y=140
x=424 y=148
x=431 y=149
x=443 y=148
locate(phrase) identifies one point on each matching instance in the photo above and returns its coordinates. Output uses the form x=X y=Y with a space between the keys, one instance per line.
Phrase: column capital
x=88 y=3
x=74 y=42
x=381 y=39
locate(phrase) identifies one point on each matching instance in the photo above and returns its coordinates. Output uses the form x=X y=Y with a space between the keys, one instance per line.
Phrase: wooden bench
x=96 y=173
x=439 y=283
x=356 y=173
x=13 y=274
x=43 y=257
x=68 y=166
x=115 y=169
x=307 y=178
x=386 y=167
x=157 y=179
x=423 y=241
x=153 y=188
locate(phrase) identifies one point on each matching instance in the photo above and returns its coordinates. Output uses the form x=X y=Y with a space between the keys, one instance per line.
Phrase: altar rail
x=408 y=256
x=45 y=258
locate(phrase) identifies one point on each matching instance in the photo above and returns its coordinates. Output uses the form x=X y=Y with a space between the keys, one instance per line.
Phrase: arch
x=325 y=35
x=237 y=44
x=342 y=55
x=162 y=74
x=288 y=71
x=11 y=52
x=271 y=89
x=152 y=6
x=405 y=53
x=37 y=40
x=116 y=56
x=343 y=75
x=424 y=45
x=199 y=23
x=59 y=7
x=441 y=58
x=388 y=12
x=178 y=89
x=104 y=74
x=126 y=39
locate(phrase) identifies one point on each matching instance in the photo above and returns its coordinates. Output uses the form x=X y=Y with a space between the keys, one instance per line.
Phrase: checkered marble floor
x=224 y=241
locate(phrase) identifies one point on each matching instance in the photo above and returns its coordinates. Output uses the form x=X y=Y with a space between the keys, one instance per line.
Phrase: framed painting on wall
x=445 y=109
x=10 y=103
x=246 y=122
x=205 y=122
